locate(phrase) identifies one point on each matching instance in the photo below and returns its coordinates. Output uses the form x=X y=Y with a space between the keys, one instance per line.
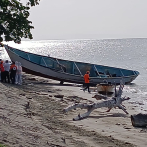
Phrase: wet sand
x=31 y=115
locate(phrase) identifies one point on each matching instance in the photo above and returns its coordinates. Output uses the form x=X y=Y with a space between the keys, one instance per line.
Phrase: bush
x=1 y=145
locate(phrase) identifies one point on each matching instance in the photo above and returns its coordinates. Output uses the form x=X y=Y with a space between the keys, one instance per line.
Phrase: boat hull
x=35 y=69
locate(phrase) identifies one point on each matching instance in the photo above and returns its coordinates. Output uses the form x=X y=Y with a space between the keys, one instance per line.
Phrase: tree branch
x=110 y=103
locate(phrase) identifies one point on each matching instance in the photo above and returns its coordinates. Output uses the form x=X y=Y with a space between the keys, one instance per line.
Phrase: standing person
x=18 y=77
x=6 y=72
x=2 y=71
x=86 y=78
x=13 y=69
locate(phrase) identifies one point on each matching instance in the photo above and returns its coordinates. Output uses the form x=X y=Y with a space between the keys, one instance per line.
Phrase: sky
x=89 y=19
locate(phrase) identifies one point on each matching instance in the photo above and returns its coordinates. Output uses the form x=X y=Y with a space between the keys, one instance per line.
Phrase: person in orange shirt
x=13 y=69
x=86 y=79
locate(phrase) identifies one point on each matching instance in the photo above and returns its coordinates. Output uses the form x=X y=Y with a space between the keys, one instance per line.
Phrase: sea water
x=123 y=53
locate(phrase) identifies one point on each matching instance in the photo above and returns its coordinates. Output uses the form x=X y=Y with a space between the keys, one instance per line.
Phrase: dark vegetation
x=14 y=23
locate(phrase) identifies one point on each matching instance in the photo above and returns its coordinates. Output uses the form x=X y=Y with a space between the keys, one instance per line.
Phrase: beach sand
x=31 y=115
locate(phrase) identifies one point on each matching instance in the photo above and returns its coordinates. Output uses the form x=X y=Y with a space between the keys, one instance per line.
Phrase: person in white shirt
x=18 y=77
x=6 y=72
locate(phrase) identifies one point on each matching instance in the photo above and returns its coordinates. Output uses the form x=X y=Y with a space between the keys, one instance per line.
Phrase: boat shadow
x=55 y=84
x=131 y=84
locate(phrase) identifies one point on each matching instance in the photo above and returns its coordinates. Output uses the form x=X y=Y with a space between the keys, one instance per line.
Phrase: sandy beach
x=31 y=115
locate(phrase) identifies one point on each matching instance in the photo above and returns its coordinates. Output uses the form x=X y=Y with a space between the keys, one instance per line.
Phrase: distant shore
x=31 y=115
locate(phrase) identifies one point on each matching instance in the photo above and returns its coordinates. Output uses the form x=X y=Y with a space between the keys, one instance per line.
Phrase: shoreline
x=31 y=115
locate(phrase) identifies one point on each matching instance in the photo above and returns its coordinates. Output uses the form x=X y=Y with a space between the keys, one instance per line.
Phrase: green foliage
x=14 y=23
x=1 y=145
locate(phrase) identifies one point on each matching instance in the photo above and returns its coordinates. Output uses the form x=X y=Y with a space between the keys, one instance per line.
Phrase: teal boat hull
x=69 y=71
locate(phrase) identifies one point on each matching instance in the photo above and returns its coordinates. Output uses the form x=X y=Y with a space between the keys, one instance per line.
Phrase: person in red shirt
x=2 y=71
x=86 y=79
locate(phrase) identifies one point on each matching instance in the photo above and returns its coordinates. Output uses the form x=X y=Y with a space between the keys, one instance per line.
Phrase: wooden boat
x=105 y=88
x=69 y=71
